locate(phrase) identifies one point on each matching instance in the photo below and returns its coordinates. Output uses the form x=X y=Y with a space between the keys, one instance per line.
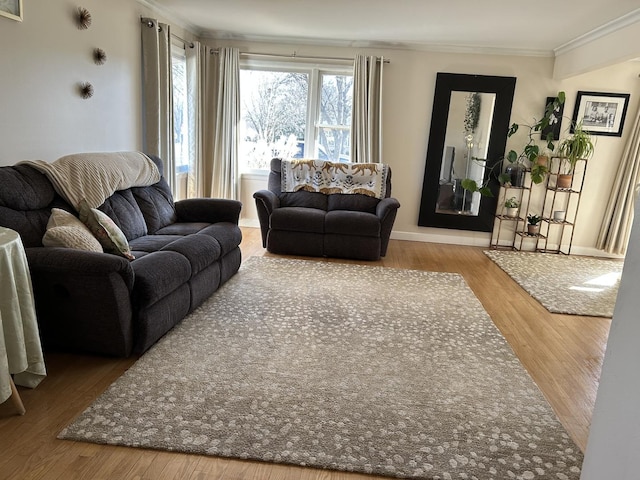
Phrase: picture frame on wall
x=554 y=128
x=11 y=9
x=600 y=113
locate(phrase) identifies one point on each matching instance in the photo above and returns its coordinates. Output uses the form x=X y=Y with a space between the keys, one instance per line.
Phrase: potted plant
x=577 y=146
x=513 y=174
x=533 y=224
x=511 y=205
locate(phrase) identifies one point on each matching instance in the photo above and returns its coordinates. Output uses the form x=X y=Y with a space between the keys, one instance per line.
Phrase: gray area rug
x=564 y=283
x=356 y=368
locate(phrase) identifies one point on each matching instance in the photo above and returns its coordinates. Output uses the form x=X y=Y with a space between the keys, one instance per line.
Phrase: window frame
x=315 y=71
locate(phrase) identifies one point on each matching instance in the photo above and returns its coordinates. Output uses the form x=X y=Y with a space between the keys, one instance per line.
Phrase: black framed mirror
x=467 y=138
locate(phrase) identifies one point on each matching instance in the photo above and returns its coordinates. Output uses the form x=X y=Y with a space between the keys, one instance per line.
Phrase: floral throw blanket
x=328 y=177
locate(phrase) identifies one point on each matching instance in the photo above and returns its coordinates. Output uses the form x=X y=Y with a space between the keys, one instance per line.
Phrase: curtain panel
x=157 y=108
x=366 y=128
x=618 y=217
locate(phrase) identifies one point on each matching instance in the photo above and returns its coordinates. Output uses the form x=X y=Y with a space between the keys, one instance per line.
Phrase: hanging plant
x=83 y=18
x=86 y=90
x=472 y=113
x=99 y=56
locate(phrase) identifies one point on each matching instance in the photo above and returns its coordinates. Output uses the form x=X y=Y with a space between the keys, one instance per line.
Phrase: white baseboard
x=249 y=222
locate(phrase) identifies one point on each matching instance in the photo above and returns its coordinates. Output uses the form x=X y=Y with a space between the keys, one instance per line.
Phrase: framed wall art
x=11 y=9
x=600 y=113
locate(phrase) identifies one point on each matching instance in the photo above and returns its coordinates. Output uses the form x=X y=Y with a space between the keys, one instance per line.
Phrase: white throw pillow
x=65 y=230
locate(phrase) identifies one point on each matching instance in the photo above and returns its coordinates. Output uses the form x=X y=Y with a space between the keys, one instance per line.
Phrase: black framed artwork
x=555 y=127
x=600 y=113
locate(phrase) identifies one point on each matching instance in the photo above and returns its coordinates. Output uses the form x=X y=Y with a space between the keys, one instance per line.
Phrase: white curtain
x=157 y=108
x=616 y=227
x=195 y=120
x=225 y=90
x=366 y=121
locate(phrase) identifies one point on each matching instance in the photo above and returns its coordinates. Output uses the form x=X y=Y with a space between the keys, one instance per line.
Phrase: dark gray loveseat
x=106 y=304
x=316 y=224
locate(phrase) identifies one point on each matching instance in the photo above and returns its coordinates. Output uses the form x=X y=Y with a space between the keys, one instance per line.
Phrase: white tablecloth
x=20 y=350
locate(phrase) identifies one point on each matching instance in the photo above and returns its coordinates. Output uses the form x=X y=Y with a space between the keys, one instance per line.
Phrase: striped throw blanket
x=94 y=177
x=328 y=177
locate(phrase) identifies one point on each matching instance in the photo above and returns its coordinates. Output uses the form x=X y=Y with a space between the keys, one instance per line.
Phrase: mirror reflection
x=465 y=151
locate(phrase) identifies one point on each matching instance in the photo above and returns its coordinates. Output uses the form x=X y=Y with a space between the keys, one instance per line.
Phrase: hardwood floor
x=562 y=353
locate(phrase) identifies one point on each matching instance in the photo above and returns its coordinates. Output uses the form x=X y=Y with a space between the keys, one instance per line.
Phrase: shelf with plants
x=561 y=204
x=513 y=203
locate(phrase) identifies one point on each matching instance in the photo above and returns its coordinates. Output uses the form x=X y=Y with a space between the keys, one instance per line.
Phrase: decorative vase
x=533 y=229
x=564 y=181
x=516 y=171
x=512 y=212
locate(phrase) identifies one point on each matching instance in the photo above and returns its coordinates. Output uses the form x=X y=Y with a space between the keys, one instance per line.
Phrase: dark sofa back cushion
x=304 y=199
x=26 y=198
x=156 y=205
x=123 y=209
x=354 y=202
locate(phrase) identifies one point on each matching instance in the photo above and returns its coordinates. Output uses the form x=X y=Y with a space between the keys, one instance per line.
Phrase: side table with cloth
x=20 y=350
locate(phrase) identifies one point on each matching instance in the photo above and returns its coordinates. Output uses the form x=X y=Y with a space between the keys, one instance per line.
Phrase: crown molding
x=426 y=47
x=171 y=15
x=602 y=31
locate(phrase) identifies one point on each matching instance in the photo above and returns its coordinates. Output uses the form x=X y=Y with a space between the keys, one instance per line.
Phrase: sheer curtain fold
x=366 y=128
x=618 y=217
x=157 y=94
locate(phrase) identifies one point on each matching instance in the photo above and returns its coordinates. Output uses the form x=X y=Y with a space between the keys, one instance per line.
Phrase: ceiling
x=536 y=27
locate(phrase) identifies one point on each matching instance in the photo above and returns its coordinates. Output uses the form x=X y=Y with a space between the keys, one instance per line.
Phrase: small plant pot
x=564 y=181
x=559 y=215
x=542 y=160
x=533 y=229
x=512 y=212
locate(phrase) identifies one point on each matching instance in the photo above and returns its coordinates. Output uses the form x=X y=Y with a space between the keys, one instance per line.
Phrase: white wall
x=44 y=58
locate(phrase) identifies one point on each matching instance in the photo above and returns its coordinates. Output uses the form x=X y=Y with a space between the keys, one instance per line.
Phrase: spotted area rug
x=368 y=369
x=567 y=284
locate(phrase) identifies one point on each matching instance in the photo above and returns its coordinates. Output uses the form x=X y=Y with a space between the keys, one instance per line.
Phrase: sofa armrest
x=386 y=206
x=267 y=198
x=78 y=263
x=266 y=203
x=210 y=210
x=83 y=300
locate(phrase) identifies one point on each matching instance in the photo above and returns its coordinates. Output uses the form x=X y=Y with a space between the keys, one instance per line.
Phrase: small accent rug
x=356 y=368
x=564 y=283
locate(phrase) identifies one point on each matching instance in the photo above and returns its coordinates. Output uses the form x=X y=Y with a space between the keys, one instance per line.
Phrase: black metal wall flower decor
x=86 y=90
x=99 y=56
x=83 y=18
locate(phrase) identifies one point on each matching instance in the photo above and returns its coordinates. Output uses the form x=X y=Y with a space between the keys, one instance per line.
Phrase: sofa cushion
x=304 y=199
x=152 y=243
x=65 y=230
x=345 y=222
x=298 y=219
x=157 y=275
x=356 y=202
x=156 y=204
x=182 y=228
x=123 y=209
x=105 y=230
x=200 y=250
x=228 y=235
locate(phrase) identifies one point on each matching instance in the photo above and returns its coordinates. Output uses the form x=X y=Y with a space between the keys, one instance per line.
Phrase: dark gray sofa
x=106 y=304
x=315 y=224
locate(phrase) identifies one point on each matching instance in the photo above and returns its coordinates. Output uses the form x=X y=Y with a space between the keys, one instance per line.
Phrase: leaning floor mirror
x=467 y=138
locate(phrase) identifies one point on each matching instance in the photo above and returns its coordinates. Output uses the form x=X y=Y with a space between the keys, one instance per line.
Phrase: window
x=180 y=120
x=294 y=112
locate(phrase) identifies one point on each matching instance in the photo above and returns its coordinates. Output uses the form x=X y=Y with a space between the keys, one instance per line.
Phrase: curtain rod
x=151 y=22
x=294 y=55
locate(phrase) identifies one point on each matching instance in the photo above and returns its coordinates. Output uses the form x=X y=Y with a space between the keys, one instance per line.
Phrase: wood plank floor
x=562 y=353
